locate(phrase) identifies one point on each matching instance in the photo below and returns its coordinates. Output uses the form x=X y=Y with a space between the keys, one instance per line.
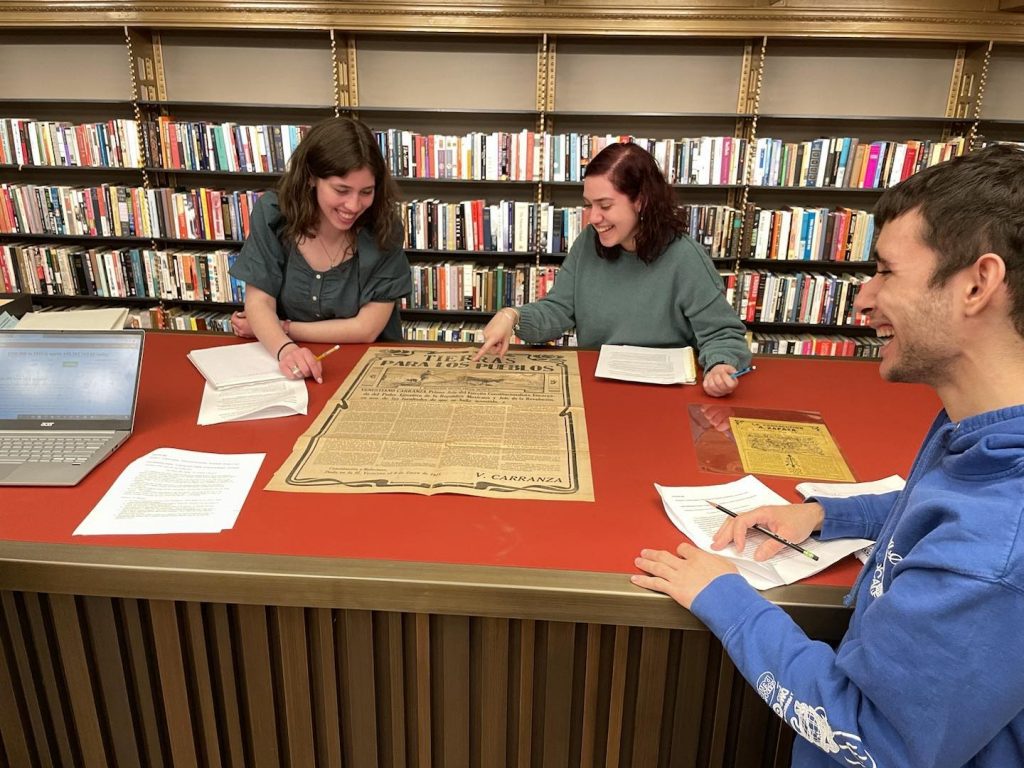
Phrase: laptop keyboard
x=49 y=448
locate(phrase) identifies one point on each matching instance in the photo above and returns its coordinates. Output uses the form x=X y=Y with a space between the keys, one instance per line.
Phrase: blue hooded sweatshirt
x=931 y=670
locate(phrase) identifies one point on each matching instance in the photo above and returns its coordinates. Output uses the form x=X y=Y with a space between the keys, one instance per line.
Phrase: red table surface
x=639 y=435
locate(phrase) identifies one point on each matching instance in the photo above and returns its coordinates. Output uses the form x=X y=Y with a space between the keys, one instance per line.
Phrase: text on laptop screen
x=68 y=376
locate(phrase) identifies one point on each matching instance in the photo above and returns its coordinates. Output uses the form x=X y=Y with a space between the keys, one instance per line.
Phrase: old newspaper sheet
x=422 y=420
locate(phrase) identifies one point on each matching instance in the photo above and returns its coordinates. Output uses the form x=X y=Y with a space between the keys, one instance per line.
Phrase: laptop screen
x=52 y=380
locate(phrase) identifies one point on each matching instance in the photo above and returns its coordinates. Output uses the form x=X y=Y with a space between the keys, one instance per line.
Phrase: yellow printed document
x=789 y=449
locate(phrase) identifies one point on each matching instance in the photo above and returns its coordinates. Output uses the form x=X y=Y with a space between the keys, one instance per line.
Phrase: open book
x=233 y=365
x=688 y=509
x=649 y=365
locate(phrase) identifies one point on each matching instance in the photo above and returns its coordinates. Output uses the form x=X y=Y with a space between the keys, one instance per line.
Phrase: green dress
x=306 y=295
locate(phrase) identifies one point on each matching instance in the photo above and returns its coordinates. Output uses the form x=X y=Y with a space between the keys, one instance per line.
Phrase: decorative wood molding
x=523 y=17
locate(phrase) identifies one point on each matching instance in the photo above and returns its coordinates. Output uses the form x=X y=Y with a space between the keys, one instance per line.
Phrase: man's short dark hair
x=970 y=206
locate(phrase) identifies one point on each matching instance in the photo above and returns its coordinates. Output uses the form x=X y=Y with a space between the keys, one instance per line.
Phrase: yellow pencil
x=322 y=355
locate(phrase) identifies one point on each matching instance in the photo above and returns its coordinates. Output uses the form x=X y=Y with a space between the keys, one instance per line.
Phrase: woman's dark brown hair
x=633 y=172
x=336 y=147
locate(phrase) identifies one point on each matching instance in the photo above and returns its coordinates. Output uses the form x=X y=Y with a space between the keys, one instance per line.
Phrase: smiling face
x=914 y=319
x=343 y=199
x=614 y=216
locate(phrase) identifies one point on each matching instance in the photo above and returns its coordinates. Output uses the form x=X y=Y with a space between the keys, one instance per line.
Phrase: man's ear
x=986 y=282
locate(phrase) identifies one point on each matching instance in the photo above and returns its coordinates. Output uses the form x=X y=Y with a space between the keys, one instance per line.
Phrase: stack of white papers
x=648 y=365
x=689 y=511
x=7 y=322
x=244 y=382
x=264 y=400
x=75 y=320
x=175 y=491
x=233 y=365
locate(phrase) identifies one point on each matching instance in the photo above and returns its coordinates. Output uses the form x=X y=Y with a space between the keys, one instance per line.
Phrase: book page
x=648 y=365
x=690 y=512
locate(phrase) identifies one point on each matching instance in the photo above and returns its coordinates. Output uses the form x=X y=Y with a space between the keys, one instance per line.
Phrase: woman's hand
x=718 y=382
x=498 y=333
x=240 y=325
x=298 y=362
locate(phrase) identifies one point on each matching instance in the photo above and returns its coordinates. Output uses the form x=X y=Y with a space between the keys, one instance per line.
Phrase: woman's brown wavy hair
x=336 y=147
x=633 y=172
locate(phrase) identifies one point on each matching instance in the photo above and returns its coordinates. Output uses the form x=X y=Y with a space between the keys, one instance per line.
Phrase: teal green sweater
x=675 y=301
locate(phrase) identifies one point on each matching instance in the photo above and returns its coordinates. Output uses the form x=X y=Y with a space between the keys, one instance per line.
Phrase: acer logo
x=47 y=424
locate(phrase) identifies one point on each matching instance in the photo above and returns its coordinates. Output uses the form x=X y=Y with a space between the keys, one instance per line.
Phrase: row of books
x=534 y=156
x=477 y=287
x=110 y=144
x=704 y=160
x=178 y=319
x=495 y=156
x=792 y=233
x=505 y=227
x=811 y=234
x=205 y=146
x=111 y=210
x=806 y=344
x=465 y=332
x=717 y=227
x=846 y=162
x=499 y=156
x=70 y=270
x=801 y=297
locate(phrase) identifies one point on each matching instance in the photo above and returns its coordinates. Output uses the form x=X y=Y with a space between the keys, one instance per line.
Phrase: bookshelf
x=714 y=74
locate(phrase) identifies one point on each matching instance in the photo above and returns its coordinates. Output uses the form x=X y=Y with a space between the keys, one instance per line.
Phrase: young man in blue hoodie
x=931 y=670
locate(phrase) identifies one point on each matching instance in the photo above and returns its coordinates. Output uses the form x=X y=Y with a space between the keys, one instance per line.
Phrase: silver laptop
x=67 y=400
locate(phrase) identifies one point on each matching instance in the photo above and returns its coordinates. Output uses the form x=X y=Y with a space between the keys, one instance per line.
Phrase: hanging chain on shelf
x=754 y=101
x=336 y=75
x=972 y=132
x=136 y=109
x=544 y=103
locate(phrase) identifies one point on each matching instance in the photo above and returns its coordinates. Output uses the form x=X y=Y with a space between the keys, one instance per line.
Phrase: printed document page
x=689 y=511
x=263 y=400
x=152 y=495
x=648 y=365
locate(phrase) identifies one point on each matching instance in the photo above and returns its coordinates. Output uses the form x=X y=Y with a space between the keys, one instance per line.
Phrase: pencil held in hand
x=766 y=532
x=322 y=355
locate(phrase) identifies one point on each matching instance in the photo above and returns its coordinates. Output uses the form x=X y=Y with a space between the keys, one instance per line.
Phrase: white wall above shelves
x=859 y=78
x=52 y=64
x=254 y=68
x=621 y=76
x=452 y=72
